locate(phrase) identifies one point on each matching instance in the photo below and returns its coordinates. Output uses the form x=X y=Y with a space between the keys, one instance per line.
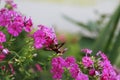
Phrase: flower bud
x=5 y=51
x=92 y=72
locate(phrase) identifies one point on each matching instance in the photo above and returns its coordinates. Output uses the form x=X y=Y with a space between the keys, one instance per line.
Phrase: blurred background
x=50 y=12
x=80 y=24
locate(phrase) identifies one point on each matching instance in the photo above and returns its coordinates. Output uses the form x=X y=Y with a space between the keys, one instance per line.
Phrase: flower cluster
x=16 y=54
x=72 y=66
x=87 y=62
x=96 y=67
x=44 y=37
x=14 y=21
x=108 y=72
x=58 y=65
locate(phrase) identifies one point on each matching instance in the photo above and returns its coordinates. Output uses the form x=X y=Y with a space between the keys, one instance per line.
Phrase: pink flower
x=118 y=77
x=2 y=57
x=14 y=21
x=87 y=62
x=105 y=64
x=50 y=33
x=105 y=75
x=4 y=17
x=5 y=51
x=58 y=61
x=27 y=24
x=102 y=55
x=82 y=76
x=15 y=28
x=92 y=72
x=57 y=67
x=57 y=72
x=70 y=64
x=70 y=61
x=2 y=37
x=44 y=37
x=39 y=68
x=3 y=54
x=87 y=51
x=74 y=70
x=108 y=72
x=39 y=39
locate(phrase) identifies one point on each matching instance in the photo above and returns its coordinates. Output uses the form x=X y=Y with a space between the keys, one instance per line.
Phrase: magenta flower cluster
x=14 y=21
x=108 y=72
x=59 y=64
x=87 y=61
x=98 y=67
x=57 y=67
x=44 y=36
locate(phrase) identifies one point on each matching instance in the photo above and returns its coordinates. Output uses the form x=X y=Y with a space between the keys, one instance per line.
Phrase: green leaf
x=106 y=37
x=114 y=53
